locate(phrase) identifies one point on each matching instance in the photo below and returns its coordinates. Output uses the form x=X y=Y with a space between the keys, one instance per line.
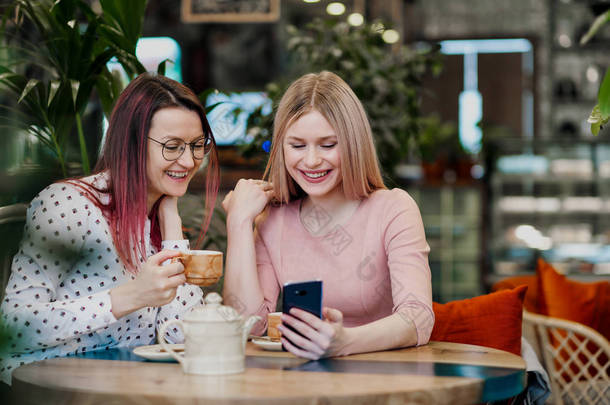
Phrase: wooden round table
x=438 y=373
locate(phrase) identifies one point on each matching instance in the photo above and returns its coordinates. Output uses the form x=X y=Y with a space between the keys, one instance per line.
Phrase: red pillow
x=530 y=302
x=586 y=303
x=491 y=320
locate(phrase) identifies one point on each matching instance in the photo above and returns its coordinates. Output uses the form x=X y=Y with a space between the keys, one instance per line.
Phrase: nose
x=186 y=160
x=312 y=158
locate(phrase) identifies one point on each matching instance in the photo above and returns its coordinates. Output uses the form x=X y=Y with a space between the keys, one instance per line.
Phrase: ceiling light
x=355 y=19
x=565 y=41
x=390 y=36
x=592 y=74
x=335 y=8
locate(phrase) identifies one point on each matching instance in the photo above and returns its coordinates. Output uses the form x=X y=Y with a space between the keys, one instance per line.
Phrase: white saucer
x=266 y=344
x=156 y=352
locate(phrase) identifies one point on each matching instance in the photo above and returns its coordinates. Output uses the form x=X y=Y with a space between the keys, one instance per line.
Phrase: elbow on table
x=420 y=319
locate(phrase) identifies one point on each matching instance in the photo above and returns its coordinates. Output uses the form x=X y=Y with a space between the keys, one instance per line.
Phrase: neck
x=150 y=201
x=319 y=215
x=332 y=203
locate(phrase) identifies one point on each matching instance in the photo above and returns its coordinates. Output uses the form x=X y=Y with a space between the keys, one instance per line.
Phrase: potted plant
x=54 y=70
x=438 y=146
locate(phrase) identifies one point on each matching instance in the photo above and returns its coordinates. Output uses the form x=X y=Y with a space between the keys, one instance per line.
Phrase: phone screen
x=305 y=295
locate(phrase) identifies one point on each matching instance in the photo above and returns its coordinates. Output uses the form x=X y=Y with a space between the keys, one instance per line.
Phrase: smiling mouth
x=316 y=175
x=176 y=175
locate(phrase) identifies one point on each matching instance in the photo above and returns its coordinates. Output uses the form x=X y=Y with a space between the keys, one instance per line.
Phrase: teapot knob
x=213 y=299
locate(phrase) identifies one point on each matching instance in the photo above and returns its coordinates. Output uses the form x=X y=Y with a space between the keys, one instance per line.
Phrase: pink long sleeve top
x=373 y=266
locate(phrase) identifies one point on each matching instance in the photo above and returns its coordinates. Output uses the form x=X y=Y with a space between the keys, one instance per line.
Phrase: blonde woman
x=332 y=219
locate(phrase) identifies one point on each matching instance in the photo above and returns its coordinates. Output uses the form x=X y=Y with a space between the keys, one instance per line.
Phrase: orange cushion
x=491 y=320
x=530 y=301
x=586 y=303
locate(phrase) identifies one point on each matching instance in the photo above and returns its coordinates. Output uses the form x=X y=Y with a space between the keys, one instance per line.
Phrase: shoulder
x=62 y=193
x=66 y=200
x=394 y=199
x=275 y=216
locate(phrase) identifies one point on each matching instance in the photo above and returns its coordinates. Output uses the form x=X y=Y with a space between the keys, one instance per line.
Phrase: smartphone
x=305 y=295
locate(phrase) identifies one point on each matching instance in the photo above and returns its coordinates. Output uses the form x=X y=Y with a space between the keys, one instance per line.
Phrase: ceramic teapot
x=215 y=338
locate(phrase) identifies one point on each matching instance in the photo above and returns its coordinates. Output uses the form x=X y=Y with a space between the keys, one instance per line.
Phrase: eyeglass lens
x=174 y=148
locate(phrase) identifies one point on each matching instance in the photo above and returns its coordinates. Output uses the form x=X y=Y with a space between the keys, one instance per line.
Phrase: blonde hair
x=328 y=94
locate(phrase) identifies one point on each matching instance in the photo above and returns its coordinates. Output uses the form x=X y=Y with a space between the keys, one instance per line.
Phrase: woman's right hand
x=154 y=286
x=247 y=200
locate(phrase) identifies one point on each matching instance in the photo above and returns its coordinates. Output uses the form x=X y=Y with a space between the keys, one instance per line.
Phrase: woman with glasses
x=89 y=273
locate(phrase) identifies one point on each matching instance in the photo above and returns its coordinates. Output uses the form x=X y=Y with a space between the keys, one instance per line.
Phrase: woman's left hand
x=316 y=338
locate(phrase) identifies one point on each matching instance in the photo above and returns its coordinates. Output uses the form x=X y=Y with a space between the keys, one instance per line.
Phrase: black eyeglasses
x=174 y=148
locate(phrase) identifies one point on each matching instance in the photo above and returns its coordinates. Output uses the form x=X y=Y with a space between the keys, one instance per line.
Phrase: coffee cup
x=274 y=319
x=201 y=267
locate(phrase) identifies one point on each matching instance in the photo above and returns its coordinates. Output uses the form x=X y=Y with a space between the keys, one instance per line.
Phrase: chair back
x=576 y=357
x=12 y=220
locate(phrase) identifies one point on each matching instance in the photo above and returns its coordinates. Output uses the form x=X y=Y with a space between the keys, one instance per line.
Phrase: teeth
x=316 y=175
x=177 y=175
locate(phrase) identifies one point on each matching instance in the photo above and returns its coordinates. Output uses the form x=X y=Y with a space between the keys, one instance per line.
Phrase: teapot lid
x=212 y=311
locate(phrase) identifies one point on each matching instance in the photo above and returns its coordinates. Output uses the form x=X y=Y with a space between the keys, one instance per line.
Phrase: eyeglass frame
x=191 y=145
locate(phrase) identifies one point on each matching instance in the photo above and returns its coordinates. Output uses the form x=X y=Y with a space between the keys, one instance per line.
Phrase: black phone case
x=305 y=295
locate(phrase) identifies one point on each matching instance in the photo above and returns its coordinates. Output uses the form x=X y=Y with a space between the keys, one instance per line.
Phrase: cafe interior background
x=480 y=110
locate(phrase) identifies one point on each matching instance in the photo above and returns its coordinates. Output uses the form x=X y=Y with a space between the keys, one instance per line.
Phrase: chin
x=175 y=191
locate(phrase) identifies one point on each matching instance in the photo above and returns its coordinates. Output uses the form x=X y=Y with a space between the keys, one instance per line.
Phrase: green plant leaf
x=127 y=17
x=9 y=79
x=108 y=87
x=595 y=27
x=28 y=87
x=604 y=95
x=161 y=67
x=597 y=120
x=83 y=145
x=74 y=86
x=53 y=87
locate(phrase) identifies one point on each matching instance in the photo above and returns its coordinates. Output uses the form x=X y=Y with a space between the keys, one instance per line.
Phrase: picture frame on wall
x=230 y=11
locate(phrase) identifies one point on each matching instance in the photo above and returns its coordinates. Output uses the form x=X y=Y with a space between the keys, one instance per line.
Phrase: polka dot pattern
x=57 y=297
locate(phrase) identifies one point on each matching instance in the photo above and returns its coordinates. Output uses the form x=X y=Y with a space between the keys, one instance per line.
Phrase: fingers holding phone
x=304 y=332
x=307 y=336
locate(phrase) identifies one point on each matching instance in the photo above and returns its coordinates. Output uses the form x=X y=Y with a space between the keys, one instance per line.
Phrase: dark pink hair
x=124 y=157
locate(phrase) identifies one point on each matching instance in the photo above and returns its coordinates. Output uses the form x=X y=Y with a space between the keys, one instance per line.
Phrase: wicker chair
x=12 y=219
x=576 y=357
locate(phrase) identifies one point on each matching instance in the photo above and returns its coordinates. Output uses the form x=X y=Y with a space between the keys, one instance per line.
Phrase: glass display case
x=550 y=199
x=452 y=221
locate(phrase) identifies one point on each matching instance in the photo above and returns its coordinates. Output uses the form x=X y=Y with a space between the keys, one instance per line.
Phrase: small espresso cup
x=201 y=267
x=274 y=319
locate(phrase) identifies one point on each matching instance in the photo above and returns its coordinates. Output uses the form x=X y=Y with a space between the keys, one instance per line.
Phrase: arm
x=407 y=252
x=170 y=222
x=57 y=228
x=187 y=297
x=241 y=284
x=158 y=281
x=327 y=338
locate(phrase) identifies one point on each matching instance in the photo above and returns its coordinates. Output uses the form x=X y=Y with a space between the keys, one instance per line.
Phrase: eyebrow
x=324 y=138
x=171 y=137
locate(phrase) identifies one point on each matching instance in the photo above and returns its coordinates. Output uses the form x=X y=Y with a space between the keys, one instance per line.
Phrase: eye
x=200 y=144
x=173 y=145
x=297 y=145
x=329 y=145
